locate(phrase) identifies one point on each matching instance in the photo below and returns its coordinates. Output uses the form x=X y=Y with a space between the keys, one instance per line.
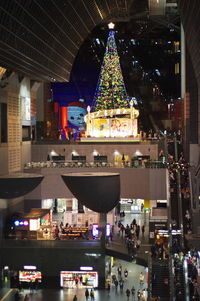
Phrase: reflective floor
x=134 y=271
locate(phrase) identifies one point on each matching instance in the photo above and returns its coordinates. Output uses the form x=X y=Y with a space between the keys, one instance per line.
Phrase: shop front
x=131 y=205
x=34 y=225
x=30 y=276
x=26 y=277
x=79 y=279
x=157 y=230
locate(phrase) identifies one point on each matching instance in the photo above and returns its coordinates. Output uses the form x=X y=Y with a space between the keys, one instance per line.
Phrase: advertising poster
x=25 y=108
x=101 y=127
x=120 y=127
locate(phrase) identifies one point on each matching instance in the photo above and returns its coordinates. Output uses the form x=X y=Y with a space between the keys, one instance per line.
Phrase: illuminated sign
x=25 y=108
x=86 y=268
x=166 y=232
x=95 y=231
x=30 y=276
x=30 y=267
x=108 y=229
x=34 y=224
x=89 y=279
x=20 y=223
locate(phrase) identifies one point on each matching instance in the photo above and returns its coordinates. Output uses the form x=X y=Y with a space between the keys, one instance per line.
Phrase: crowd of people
x=131 y=234
x=160 y=250
x=181 y=166
x=88 y=294
x=119 y=281
x=193 y=261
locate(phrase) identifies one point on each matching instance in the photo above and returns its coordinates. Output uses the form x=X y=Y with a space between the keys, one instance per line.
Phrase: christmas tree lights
x=111 y=91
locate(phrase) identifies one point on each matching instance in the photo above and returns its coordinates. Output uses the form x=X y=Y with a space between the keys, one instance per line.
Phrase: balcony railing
x=135 y=164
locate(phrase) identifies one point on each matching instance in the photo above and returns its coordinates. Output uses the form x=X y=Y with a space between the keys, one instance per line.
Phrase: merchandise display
x=74 y=279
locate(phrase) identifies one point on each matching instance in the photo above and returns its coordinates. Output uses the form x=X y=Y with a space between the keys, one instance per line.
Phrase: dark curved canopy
x=41 y=38
x=19 y=184
x=99 y=192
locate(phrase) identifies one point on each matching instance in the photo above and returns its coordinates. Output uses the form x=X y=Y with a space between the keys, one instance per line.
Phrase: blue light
x=157 y=72
x=98 y=42
x=21 y=223
x=16 y=223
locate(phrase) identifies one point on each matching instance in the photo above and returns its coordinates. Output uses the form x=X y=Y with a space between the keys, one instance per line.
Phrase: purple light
x=95 y=231
x=108 y=230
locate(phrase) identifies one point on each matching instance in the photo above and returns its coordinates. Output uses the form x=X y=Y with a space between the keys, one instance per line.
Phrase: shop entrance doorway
x=78 y=279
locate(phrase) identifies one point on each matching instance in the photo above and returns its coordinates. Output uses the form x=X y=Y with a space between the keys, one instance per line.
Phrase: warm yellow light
x=111 y=25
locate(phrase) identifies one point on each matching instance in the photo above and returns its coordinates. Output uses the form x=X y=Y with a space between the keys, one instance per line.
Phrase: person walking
x=92 y=294
x=121 y=285
x=137 y=231
x=133 y=292
x=128 y=293
x=116 y=284
x=17 y=296
x=139 y=295
x=125 y=273
x=119 y=270
x=141 y=279
x=143 y=230
x=108 y=288
x=75 y=298
x=87 y=294
x=26 y=298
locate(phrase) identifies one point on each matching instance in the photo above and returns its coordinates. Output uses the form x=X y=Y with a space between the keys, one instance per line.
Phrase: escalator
x=160 y=280
x=180 y=290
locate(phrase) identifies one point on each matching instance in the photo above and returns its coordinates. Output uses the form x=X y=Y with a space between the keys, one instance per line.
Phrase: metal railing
x=50 y=164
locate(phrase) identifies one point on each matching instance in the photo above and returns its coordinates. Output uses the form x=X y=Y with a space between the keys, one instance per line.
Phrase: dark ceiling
x=41 y=38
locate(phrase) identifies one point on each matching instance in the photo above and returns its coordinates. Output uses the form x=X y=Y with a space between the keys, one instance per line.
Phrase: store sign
x=86 y=268
x=108 y=229
x=95 y=231
x=25 y=108
x=30 y=267
x=30 y=276
x=176 y=232
x=166 y=232
x=34 y=224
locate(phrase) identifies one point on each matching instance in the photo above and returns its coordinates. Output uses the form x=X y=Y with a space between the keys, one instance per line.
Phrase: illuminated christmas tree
x=111 y=91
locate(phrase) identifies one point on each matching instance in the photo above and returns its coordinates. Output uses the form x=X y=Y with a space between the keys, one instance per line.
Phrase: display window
x=30 y=276
x=74 y=279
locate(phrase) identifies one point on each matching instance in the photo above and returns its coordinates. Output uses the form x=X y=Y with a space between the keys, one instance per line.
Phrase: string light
x=111 y=91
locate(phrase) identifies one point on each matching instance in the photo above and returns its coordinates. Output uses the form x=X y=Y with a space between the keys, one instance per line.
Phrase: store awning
x=37 y=213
